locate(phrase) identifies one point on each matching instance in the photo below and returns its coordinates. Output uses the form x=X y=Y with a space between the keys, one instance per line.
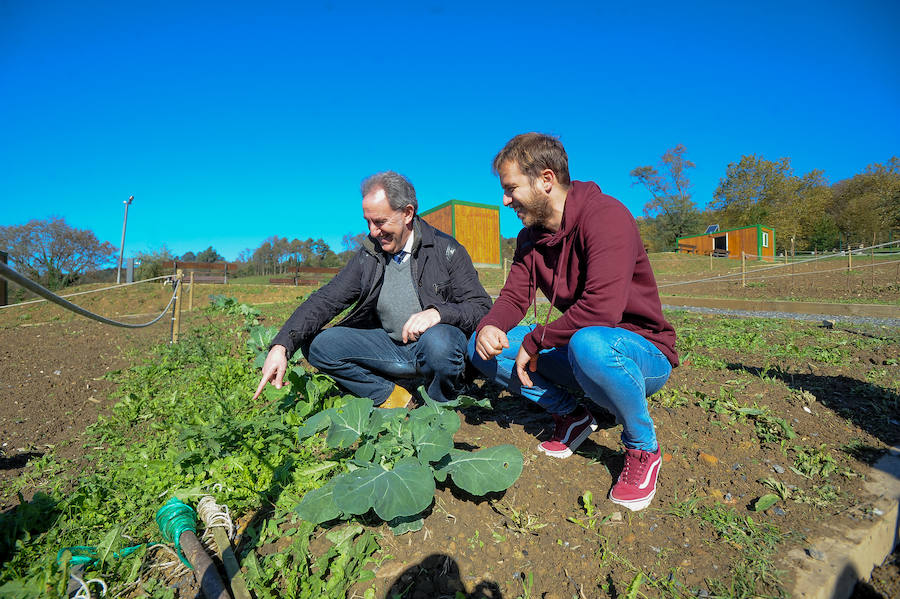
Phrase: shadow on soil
x=869 y=407
x=436 y=576
x=29 y=518
x=20 y=460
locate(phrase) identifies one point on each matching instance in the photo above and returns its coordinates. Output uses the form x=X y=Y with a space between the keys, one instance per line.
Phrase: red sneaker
x=570 y=432
x=637 y=483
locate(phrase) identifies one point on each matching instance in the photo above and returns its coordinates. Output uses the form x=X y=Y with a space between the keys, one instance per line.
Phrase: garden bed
x=788 y=412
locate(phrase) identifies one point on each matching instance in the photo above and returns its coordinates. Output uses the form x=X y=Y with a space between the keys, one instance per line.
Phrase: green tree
x=210 y=255
x=670 y=213
x=759 y=191
x=150 y=263
x=750 y=189
x=867 y=205
x=53 y=252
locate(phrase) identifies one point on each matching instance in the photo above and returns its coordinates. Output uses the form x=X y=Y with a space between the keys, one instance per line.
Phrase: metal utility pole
x=122 y=247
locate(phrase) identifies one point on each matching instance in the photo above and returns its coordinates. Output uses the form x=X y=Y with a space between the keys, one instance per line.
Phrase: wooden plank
x=313 y=270
x=232 y=266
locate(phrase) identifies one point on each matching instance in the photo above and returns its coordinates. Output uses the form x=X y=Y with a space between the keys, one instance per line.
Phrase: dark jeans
x=367 y=361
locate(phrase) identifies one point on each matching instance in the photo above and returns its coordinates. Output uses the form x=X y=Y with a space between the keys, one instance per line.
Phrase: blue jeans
x=362 y=360
x=616 y=368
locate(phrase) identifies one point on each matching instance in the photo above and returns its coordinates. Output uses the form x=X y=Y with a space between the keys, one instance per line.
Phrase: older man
x=415 y=296
x=582 y=249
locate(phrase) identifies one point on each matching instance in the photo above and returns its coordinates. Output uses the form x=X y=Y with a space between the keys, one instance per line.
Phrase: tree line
x=56 y=254
x=806 y=211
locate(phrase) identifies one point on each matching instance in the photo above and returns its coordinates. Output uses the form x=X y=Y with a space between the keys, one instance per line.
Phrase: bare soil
x=51 y=379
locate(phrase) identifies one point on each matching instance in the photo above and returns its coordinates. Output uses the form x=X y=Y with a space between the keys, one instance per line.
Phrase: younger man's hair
x=533 y=153
x=398 y=189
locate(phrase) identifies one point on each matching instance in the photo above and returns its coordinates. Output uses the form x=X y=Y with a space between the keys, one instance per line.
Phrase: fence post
x=4 y=297
x=191 y=294
x=743 y=269
x=710 y=259
x=176 y=318
x=849 y=257
x=226 y=273
x=872 y=259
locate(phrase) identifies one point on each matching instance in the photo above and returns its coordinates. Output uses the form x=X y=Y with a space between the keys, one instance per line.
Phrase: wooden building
x=755 y=240
x=476 y=226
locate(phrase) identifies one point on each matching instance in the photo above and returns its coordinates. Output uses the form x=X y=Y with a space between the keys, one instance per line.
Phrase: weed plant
x=182 y=426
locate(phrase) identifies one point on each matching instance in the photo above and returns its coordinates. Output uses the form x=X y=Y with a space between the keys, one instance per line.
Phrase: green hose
x=174 y=518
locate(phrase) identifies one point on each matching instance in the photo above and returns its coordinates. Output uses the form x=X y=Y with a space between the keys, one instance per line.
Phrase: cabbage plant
x=399 y=455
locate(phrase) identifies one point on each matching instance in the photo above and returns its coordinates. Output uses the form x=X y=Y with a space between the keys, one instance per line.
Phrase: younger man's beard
x=538 y=210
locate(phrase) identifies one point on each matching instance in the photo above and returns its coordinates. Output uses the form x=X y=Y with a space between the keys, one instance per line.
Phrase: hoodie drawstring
x=556 y=278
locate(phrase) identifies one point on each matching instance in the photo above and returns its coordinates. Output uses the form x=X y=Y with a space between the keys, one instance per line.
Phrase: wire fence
x=744 y=274
x=11 y=275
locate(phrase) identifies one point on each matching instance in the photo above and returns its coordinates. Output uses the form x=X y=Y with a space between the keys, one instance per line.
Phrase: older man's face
x=389 y=227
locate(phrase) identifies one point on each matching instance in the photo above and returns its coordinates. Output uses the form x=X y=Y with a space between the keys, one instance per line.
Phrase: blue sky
x=232 y=122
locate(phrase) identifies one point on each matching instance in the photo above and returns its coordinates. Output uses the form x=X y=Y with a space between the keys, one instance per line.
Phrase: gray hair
x=398 y=189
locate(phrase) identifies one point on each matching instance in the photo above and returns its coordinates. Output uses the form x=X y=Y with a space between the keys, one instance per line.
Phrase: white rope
x=212 y=514
x=89 y=291
x=84 y=590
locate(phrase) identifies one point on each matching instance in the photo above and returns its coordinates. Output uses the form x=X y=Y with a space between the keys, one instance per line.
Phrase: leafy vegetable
x=399 y=455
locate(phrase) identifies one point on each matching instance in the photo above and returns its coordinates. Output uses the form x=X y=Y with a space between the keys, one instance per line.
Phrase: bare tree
x=670 y=208
x=53 y=252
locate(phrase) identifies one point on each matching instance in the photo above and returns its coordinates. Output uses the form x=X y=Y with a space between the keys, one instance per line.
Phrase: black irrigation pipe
x=9 y=274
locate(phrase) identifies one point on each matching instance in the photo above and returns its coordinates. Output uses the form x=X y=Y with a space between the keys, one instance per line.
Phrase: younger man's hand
x=523 y=358
x=490 y=342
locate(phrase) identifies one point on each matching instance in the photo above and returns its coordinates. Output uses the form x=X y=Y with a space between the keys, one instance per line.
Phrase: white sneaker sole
x=572 y=446
x=635 y=505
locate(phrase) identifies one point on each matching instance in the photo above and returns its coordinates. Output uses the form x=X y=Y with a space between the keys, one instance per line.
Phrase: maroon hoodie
x=594 y=269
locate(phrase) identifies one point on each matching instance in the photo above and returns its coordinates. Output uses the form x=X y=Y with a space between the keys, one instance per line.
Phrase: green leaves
x=349 y=422
x=406 y=490
x=485 y=471
x=258 y=345
x=765 y=502
x=318 y=505
x=399 y=456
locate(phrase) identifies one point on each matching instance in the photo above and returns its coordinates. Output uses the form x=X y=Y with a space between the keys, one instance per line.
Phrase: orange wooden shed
x=476 y=226
x=755 y=240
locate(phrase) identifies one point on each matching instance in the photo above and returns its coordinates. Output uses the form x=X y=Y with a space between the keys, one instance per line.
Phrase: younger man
x=582 y=249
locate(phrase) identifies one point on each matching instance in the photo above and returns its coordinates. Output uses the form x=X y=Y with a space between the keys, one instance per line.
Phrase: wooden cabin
x=755 y=240
x=475 y=226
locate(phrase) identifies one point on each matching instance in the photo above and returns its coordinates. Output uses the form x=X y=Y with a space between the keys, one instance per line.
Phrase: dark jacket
x=442 y=272
x=594 y=270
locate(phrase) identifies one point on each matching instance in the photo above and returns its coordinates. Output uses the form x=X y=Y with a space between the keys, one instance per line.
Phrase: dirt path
x=50 y=378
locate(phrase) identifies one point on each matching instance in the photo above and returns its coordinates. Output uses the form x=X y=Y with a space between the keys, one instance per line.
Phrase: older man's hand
x=273 y=369
x=420 y=322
